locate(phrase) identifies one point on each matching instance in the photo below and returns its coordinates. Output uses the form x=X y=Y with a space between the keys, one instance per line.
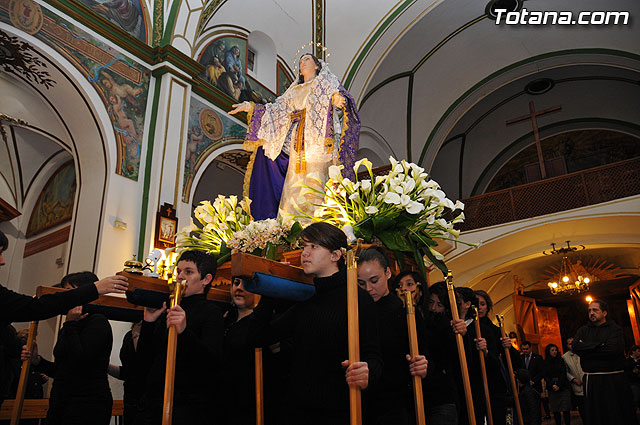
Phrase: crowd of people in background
x=305 y=352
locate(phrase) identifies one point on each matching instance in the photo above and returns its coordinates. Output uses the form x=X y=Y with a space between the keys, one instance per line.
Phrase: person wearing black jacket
x=80 y=394
x=16 y=307
x=533 y=362
x=600 y=345
x=389 y=401
x=318 y=389
x=200 y=329
x=497 y=372
x=555 y=375
x=529 y=399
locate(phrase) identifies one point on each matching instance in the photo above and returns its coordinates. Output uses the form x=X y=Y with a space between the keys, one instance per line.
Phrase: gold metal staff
x=353 y=333
x=461 y=354
x=177 y=289
x=24 y=376
x=414 y=351
x=514 y=386
x=259 y=377
x=483 y=369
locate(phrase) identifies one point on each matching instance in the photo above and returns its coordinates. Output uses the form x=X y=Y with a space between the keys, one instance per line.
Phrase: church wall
x=383 y=113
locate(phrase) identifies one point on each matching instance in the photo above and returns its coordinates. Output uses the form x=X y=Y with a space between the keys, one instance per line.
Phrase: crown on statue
x=300 y=50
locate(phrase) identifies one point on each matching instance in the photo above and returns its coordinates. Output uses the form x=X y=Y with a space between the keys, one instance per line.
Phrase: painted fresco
x=55 y=203
x=284 y=81
x=209 y=129
x=225 y=62
x=259 y=93
x=127 y=14
x=122 y=83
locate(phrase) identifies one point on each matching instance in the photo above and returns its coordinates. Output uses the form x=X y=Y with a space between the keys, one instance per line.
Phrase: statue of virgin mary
x=294 y=140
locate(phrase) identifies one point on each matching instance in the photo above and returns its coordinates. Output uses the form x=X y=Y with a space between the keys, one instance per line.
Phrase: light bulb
x=565 y=279
x=554 y=284
x=587 y=280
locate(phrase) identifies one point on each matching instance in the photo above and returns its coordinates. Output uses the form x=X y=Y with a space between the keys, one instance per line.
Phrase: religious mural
x=55 y=203
x=225 y=62
x=127 y=14
x=284 y=80
x=122 y=83
x=209 y=129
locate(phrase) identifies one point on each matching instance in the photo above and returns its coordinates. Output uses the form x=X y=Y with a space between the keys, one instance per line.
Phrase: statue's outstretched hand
x=339 y=101
x=240 y=107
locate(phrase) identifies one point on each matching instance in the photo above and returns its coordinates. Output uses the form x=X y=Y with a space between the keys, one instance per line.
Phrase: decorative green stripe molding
x=588 y=120
x=208 y=11
x=423 y=60
x=384 y=83
x=147 y=165
x=599 y=51
x=158 y=22
x=409 y=109
x=356 y=64
x=171 y=23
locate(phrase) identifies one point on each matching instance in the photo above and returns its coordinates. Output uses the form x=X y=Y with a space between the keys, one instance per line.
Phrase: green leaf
x=394 y=240
x=294 y=232
x=364 y=229
x=382 y=223
x=400 y=259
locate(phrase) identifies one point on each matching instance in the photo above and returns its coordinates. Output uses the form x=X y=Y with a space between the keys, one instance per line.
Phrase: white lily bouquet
x=218 y=223
x=404 y=209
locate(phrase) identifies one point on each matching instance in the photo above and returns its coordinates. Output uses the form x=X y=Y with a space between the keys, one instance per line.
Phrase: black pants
x=79 y=411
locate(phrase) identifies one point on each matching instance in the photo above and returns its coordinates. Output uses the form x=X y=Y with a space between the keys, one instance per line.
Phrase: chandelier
x=571 y=278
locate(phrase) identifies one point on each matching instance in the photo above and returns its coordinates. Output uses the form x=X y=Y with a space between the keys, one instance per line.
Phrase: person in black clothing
x=488 y=344
x=600 y=345
x=132 y=373
x=439 y=389
x=632 y=370
x=529 y=399
x=80 y=394
x=388 y=402
x=533 y=362
x=318 y=389
x=555 y=375
x=497 y=372
x=16 y=307
x=238 y=374
x=200 y=329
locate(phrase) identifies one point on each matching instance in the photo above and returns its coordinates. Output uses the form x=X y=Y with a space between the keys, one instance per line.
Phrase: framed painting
x=166 y=227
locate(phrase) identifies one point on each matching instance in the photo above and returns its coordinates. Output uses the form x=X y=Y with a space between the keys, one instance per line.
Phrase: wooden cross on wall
x=532 y=115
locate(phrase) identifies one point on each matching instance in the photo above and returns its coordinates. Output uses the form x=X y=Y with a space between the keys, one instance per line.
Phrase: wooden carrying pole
x=483 y=369
x=461 y=353
x=353 y=323
x=177 y=289
x=418 y=401
x=514 y=386
x=259 y=378
x=24 y=376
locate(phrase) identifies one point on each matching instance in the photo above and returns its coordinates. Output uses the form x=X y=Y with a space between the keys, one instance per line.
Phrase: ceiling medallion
x=20 y=58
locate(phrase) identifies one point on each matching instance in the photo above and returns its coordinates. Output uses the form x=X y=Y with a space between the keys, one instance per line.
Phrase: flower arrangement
x=218 y=222
x=260 y=235
x=405 y=210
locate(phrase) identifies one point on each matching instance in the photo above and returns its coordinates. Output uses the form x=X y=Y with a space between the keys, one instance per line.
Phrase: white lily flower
x=459 y=218
x=409 y=185
x=404 y=200
x=371 y=209
x=414 y=207
x=334 y=172
x=366 y=185
x=348 y=231
x=446 y=202
x=363 y=161
x=458 y=206
x=436 y=254
x=380 y=179
x=355 y=195
x=417 y=171
x=392 y=198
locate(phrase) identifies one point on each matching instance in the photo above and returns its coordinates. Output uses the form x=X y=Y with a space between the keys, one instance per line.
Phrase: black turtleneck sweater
x=395 y=385
x=318 y=327
x=198 y=354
